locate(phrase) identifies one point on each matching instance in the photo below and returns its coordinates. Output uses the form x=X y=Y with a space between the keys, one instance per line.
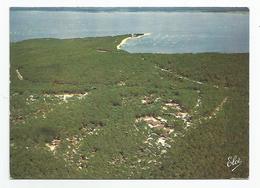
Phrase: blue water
x=172 y=31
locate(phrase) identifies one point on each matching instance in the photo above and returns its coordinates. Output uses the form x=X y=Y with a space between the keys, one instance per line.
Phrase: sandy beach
x=119 y=46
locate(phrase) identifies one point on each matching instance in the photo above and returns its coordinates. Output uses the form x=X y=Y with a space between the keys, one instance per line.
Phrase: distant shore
x=133 y=36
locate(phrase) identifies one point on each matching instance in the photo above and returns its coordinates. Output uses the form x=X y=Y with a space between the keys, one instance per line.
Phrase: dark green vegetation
x=196 y=106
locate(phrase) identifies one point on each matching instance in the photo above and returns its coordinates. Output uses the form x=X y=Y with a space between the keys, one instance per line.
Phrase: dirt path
x=219 y=107
x=216 y=110
x=179 y=76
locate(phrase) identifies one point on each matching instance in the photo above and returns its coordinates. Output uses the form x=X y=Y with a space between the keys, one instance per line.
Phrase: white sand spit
x=119 y=46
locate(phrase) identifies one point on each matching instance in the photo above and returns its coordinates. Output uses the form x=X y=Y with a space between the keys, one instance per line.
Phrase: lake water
x=171 y=31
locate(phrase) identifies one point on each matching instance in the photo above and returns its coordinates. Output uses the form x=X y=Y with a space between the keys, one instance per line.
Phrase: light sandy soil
x=65 y=96
x=53 y=145
x=20 y=77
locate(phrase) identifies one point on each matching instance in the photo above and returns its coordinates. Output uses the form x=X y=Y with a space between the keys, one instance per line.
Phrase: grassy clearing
x=99 y=135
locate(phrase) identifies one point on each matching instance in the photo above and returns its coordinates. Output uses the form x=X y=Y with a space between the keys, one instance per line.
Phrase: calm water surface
x=172 y=32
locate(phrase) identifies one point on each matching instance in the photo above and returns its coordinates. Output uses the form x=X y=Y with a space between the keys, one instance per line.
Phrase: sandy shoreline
x=119 y=46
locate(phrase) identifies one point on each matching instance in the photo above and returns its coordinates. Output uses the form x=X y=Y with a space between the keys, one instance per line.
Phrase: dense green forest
x=80 y=108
